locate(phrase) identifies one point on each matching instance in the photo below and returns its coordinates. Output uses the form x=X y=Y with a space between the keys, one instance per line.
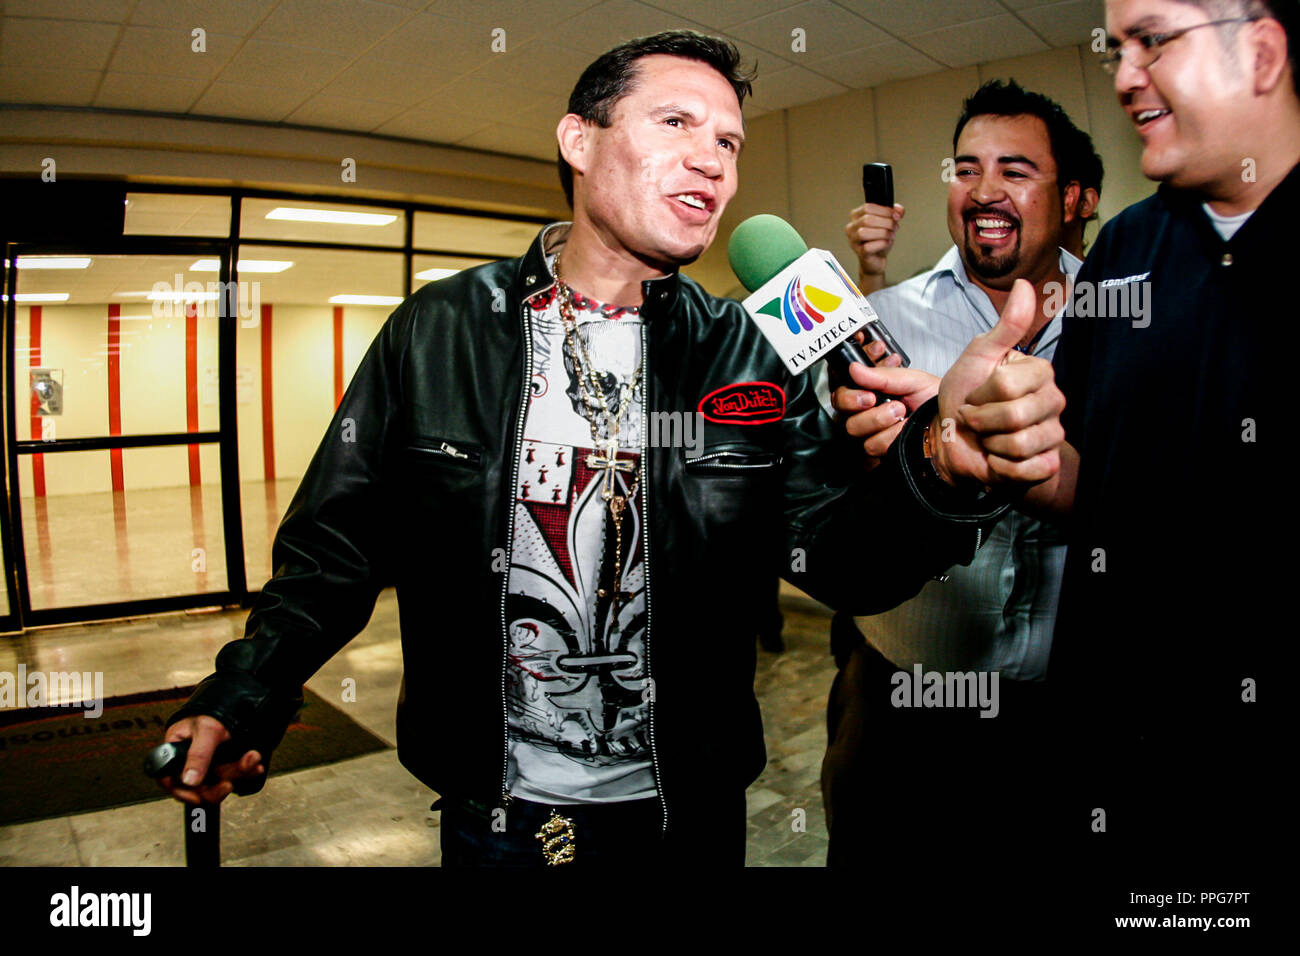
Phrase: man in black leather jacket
x=415 y=483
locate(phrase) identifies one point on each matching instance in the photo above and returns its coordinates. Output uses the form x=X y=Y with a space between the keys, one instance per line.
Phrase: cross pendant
x=608 y=460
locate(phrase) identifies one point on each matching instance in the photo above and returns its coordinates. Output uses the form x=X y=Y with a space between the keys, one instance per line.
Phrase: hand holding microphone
x=999 y=418
x=803 y=302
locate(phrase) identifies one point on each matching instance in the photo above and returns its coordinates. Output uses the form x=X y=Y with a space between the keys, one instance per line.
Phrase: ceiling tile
x=433 y=125
x=169 y=52
x=273 y=63
x=1065 y=24
x=966 y=44
x=792 y=86
x=905 y=18
x=828 y=30
x=47 y=43
x=720 y=14
x=140 y=91
x=544 y=116
x=374 y=78
x=232 y=17
x=608 y=24
x=766 y=62
x=248 y=101
x=536 y=61
x=497 y=102
x=521 y=19
x=874 y=65
x=340 y=26
x=513 y=141
x=105 y=11
x=343 y=112
x=20 y=84
x=452 y=45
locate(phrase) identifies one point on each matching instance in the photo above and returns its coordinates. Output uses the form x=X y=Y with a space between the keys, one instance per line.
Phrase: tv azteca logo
x=802 y=306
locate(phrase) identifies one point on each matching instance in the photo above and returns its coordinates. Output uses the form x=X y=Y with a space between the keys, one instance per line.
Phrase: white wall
x=805 y=163
x=152 y=390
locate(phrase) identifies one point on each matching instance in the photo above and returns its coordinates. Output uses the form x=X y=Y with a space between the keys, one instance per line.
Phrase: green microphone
x=763 y=246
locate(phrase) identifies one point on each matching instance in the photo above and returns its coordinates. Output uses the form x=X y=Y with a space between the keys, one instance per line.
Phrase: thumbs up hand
x=999 y=418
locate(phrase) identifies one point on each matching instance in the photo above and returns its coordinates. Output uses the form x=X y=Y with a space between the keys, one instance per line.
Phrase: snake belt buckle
x=558 y=840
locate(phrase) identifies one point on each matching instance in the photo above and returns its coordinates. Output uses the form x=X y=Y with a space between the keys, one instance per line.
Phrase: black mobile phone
x=878 y=184
x=877 y=187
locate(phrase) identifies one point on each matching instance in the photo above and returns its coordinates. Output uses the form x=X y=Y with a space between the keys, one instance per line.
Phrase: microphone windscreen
x=762 y=246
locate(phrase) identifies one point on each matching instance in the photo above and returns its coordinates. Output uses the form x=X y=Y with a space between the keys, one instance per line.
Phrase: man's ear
x=1089 y=200
x=1070 y=202
x=572 y=134
x=1269 y=39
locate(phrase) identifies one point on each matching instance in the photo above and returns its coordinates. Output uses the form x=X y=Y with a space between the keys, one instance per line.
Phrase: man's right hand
x=879 y=425
x=198 y=781
x=871 y=231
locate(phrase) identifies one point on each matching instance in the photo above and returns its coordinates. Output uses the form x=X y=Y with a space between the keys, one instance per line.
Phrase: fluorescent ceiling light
x=53 y=262
x=330 y=215
x=365 y=300
x=183 y=296
x=132 y=295
x=433 y=275
x=245 y=265
x=39 y=297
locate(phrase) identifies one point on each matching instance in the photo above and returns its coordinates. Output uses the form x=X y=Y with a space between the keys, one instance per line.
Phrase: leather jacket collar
x=658 y=295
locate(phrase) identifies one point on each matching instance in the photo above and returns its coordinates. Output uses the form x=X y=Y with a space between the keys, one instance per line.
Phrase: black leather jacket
x=412 y=486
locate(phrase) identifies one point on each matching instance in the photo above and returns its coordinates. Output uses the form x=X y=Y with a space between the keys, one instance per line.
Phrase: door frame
x=21 y=614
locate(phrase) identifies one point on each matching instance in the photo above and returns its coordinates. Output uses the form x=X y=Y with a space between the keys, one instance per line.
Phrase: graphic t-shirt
x=576 y=674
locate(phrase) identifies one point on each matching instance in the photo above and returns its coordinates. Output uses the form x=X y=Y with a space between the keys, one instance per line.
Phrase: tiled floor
x=158 y=542
x=369 y=811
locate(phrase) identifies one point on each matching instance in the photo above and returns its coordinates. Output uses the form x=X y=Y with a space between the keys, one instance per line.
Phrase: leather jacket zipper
x=645 y=541
x=439 y=448
x=526 y=325
x=734 y=459
x=505 y=584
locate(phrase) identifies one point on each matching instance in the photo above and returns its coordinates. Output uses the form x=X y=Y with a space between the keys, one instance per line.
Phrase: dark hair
x=1285 y=12
x=1071 y=147
x=1089 y=170
x=611 y=76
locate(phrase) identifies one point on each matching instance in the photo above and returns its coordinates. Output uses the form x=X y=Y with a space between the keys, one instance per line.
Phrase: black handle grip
x=168 y=760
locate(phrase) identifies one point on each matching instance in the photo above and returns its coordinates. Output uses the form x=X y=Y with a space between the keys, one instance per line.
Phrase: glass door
x=121 y=432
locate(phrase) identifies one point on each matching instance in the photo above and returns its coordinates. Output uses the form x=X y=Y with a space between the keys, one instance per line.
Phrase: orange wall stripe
x=192 y=386
x=338 y=355
x=268 y=423
x=34 y=359
x=115 y=390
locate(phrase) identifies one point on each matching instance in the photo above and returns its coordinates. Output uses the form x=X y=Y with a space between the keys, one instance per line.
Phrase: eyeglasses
x=1145 y=48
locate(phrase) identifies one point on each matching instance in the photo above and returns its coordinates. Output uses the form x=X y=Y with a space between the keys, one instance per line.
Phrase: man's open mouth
x=992 y=228
x=1144 y=117
x=695 y=200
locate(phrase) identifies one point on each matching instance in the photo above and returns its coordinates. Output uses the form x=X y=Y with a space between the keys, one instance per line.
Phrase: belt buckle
x=558 y=839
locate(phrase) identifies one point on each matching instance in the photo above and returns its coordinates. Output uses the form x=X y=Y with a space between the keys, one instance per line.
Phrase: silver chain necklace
x=605 y=459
